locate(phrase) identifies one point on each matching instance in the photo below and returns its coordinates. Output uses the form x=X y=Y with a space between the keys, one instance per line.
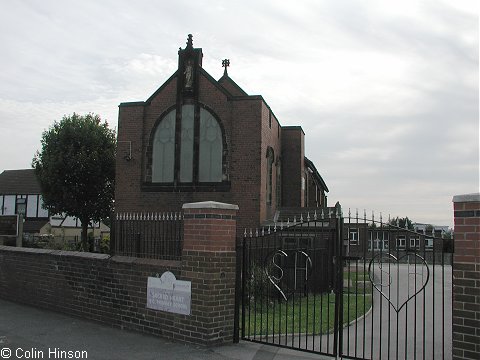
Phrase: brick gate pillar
x=209 y=260
x=466 y=277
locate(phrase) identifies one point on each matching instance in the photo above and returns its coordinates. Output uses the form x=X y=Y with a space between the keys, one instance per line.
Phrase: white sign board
x=169 y=294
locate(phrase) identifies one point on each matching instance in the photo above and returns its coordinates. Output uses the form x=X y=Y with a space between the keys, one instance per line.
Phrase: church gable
x=198 y=139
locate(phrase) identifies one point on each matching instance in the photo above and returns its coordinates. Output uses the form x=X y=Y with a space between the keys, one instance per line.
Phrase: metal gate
x=347 y=286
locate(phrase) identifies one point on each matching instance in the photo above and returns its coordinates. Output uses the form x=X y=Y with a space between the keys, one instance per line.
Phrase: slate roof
x=316 y=174
x=34 y=226
x=20 y=182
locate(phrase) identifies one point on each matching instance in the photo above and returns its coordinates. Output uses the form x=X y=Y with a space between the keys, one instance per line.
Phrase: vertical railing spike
x=263 y=231
x=245 y=233
x=301 y=217
x=356 y=214
x=256 y=232
x=275 y=226
x=288 y=222
x=251 y=234
x=349 y=214
x=269 y=230
x=315 y=215
x=322 y=216
x=308 y=216
x=281 y=225
x=294 y=219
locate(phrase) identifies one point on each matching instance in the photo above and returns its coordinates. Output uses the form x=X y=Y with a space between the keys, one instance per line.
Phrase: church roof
x=318 y=178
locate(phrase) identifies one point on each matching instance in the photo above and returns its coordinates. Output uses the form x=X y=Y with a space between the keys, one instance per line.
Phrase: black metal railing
x=148 y=235
x=288 y=283
x=348 y=286
x=408 y=275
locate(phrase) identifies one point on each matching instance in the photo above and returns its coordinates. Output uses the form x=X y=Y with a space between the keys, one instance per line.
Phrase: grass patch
x=312 y=314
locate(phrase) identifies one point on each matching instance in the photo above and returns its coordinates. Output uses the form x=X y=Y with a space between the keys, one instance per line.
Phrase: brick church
x=199 y=139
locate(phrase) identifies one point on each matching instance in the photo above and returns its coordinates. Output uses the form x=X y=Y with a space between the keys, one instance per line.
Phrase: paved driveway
x=411 y=332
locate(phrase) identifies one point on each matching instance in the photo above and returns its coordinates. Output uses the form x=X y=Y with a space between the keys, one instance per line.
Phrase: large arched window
x=188 y=149
x=211 y=148
x=164 y=149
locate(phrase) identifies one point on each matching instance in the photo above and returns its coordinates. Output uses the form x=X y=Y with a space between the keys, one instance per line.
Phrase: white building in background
x=20 y=192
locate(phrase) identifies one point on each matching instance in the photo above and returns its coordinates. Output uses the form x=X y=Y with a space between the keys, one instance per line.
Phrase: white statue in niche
x=188 y=74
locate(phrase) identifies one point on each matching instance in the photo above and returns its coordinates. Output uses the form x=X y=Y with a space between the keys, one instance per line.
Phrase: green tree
x=404 y=223
x=76 y=169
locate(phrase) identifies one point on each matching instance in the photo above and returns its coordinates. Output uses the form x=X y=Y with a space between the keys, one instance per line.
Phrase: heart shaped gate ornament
x=393 y=270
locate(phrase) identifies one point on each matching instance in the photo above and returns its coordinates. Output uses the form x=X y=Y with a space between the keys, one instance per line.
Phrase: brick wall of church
x=293 y=166
x=245 y=122
x=250 y=129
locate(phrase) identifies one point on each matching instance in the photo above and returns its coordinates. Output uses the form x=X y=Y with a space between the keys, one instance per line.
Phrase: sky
x=387 y=92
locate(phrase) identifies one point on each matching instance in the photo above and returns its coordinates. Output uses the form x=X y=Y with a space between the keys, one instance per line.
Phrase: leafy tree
x=402 y=222
x=76 y=169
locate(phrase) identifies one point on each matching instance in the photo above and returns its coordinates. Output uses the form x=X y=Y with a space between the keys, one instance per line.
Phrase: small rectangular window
x=32 y=205
x=401 y=242
x=415 y=243
x=9 y=205
x=353 y=236
x=42 y=213
x=428 y=243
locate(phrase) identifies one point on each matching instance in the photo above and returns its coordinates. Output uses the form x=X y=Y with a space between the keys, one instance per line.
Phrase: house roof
x=34 y=226
x=19 y=182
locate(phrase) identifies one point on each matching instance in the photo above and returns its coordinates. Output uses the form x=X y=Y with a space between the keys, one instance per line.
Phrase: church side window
x=270 y=159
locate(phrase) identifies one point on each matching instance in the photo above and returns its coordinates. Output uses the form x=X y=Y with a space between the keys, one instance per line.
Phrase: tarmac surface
x=31 y=333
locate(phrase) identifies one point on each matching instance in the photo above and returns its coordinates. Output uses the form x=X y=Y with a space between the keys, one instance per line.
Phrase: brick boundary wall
x=466 y=277
x=113 y=290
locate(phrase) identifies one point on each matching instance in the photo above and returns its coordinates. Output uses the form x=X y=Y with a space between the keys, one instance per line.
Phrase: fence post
x=209 y=260
x=466 y=277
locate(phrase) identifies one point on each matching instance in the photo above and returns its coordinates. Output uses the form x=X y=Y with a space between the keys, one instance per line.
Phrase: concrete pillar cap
x=210 y=205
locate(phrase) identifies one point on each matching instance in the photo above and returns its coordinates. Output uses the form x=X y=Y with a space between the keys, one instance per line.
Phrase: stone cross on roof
x=225 y=64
